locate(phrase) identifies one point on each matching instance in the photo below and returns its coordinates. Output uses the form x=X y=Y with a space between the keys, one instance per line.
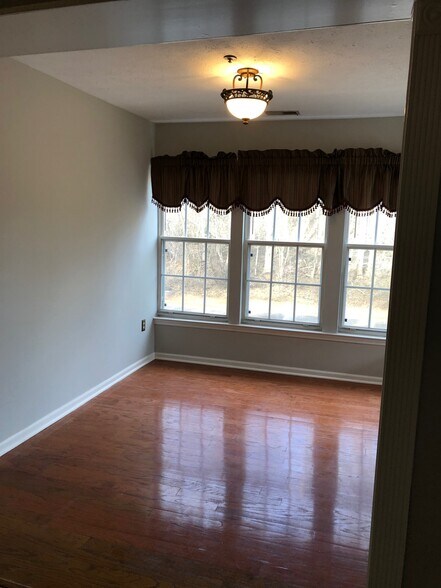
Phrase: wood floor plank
x=196 y=477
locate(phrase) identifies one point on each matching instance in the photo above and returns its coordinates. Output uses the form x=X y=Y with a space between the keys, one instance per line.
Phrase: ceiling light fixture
x=244 y=102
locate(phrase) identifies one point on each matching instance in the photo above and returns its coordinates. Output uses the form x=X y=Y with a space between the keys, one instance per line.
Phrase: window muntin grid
x=194 y=262
x=284 y=267
x=374 y=233
x=369 y=255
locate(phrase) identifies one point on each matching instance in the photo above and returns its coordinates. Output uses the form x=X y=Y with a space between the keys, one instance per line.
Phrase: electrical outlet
x=143 y=325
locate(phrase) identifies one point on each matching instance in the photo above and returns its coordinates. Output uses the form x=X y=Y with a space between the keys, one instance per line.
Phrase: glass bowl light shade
x=246 y=103
x=246 y=108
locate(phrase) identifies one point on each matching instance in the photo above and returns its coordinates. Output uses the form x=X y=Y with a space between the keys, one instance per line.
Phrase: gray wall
x=327 y=135
x=353 y=359
x=77 y=244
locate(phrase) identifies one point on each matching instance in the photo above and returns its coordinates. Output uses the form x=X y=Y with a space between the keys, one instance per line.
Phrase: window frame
x=189 y=315
x=247 y=281
x=333 y=276
x=246 y=246
x=343 y=328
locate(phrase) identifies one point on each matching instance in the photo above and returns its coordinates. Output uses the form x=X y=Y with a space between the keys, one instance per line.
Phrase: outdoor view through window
x=368 y=270
x=194 y=275
x=285 y=266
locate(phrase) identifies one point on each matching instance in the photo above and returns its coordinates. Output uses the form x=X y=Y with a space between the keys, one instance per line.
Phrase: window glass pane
x=195 y=259
x=260 y=262
x=380 y=306
x=258 y=302
x=172 y=299
x=313 y=227
x=360 y=267
x=309 y=266
x=203 y=266
x=282 y=302
x=287 y=227
x=219 y=225
x=386 y=229
x=193 y=295
x=307 y=304
x=174 y=223
x=284 y=264
x=261 y=227
x=217 y=260
x=173 y=251
x=197 y=223
x=357 y=307
x=383 y=269
x=216 y=297
x=362 y=229
x=377 y=229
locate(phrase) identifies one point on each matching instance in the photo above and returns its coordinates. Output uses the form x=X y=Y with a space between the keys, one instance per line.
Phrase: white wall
x=77 y=244
x=345 y=357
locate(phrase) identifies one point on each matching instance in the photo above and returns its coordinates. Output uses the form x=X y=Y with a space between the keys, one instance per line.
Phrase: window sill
x=273 y=331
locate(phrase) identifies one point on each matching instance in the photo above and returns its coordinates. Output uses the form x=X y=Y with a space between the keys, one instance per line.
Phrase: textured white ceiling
x=347 y=71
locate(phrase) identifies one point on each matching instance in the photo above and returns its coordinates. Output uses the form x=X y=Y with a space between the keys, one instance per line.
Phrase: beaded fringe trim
x=256 y=213
x=186 y=202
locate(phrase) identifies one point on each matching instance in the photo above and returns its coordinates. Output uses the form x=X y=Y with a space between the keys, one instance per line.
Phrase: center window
x=284 y=267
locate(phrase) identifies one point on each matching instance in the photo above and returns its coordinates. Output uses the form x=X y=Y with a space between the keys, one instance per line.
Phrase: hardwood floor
x=196 y=476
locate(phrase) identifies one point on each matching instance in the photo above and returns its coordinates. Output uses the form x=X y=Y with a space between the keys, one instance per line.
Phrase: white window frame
x=335 y=251
x=248 y=243
x=162 y=239
x=344 y=288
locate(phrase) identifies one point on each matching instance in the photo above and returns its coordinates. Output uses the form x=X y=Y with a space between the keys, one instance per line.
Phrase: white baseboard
x=66 y=409
x=276 y=369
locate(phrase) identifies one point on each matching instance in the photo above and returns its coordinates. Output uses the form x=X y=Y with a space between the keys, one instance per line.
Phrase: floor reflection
x=278 y=472
x=356 y=463
x=287 y=491
x=192 y=457
x=279 y=476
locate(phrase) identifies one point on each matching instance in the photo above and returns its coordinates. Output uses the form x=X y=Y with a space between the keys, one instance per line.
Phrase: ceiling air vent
x=282 y=113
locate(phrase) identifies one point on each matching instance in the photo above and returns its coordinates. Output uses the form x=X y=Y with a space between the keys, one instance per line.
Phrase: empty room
x=219 y=285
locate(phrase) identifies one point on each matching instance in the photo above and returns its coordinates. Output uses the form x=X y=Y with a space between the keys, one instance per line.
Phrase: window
x=308 y=272
x=369 y=250
x=284 y=269
x=194 y=262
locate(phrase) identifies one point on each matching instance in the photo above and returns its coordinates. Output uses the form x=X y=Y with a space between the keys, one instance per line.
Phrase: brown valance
x=360 y=180
x=297 y=180
x=369 y=179
x=196 y=178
